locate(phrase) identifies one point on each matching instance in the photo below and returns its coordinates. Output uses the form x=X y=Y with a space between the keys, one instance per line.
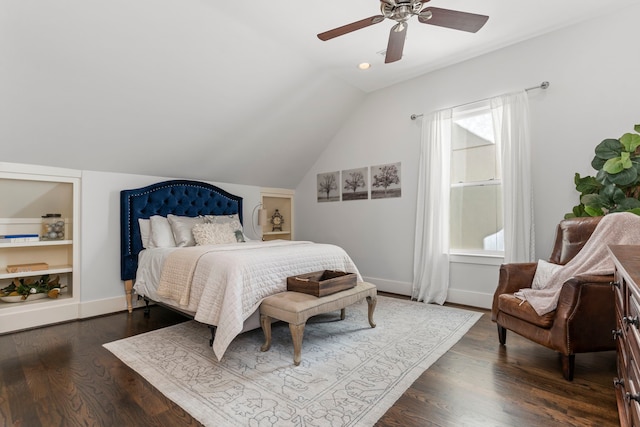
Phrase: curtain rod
x=542 y=85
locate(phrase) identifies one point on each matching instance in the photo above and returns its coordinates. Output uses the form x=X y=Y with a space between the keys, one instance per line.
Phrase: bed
x=205 y=266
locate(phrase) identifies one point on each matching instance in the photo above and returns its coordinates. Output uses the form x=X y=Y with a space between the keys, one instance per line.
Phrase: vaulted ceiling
x=224 y=91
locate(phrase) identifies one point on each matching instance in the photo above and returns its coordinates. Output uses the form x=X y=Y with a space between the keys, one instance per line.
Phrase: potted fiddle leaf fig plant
x=616 y=185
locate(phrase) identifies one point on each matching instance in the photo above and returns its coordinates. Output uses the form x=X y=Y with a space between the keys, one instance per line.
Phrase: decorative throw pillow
x=234 y=220
x=160 y=235
x=544 y=271
x=224 y=219
x=214 y=234
x=145 y=231
x=181 y=227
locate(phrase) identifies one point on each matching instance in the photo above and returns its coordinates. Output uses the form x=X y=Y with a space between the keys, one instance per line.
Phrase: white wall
x=593 y=71
x=102 y=291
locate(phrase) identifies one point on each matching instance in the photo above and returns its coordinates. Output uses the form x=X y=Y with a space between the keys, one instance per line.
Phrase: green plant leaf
x=593 y=211
x=628 y=204
x=613 y=194
x=578 y=211
x=593 y=201
x=602 y=177
x=609 y=148
x=630 y=141
x=624 y=178
x=597 y=163
x=635 y=211
x=613 y=166
x=586 y=185
x=637 y=128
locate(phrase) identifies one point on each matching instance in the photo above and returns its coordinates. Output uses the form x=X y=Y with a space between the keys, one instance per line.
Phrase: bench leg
x=265 y=322
x=372 y=301
x=297 y=331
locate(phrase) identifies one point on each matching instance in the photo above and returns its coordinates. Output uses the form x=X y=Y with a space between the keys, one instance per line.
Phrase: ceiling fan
x=400 y=11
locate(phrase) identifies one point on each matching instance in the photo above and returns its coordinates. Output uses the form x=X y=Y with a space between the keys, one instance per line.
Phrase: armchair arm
x=585 y=315
x=513 y=277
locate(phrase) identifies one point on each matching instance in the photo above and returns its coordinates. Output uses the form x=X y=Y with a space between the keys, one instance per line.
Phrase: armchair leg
x=568 y=364
x=502 y=335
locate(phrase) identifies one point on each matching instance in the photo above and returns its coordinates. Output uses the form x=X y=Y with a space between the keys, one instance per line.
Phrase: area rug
x=350 y=373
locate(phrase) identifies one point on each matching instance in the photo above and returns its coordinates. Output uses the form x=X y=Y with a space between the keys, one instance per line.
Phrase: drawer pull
x=616 y=284
x=618 y=382
x=616 y=333
x=629 y=397
x=631 y=321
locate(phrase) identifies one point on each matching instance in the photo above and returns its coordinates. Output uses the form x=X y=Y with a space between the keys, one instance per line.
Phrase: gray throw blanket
x=614 y=229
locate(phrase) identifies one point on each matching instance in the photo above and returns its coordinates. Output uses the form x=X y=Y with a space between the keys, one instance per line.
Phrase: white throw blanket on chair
x=614 y=229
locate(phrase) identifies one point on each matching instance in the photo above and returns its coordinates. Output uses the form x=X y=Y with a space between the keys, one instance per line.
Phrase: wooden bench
x=296 y=307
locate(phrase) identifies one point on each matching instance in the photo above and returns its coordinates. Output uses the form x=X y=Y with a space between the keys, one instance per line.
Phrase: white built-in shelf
x=282 y=200
x=34 y=191
x=35 y=244
x=275 y=233
x=53 y=269
x=64 y=298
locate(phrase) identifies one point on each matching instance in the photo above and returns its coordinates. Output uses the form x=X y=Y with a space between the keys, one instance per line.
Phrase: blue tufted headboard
x=178 y=197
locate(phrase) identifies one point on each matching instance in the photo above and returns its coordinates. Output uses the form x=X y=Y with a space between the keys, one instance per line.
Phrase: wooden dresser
x=627 y=332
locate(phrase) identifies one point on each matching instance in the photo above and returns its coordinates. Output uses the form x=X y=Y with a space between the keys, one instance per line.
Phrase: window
x=476 y=184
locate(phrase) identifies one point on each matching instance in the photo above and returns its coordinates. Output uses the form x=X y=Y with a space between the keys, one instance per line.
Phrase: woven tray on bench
x=321 y=283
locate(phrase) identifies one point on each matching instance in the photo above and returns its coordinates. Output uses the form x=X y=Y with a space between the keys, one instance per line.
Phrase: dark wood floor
x=62 y=376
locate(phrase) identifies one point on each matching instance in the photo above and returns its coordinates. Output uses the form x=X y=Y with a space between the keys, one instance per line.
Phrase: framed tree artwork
x=328 y=187
x=354 y=184
x=385 y=181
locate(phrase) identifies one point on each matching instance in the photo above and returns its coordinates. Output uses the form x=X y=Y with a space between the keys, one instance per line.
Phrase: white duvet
x=230 y=281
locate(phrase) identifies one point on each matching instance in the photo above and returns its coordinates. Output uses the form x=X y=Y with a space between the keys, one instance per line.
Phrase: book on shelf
x=19 y=238
x=22 y=268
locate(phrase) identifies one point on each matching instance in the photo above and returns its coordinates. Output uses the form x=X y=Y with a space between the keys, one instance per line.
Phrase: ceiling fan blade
x=363 y=23
x=396 y=42
x=454 y=19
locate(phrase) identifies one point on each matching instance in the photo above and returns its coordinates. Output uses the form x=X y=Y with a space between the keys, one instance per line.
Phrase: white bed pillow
x=544 y=271
x=160 y=235
x=214 y=234
x=181 y=227
x=145 y=231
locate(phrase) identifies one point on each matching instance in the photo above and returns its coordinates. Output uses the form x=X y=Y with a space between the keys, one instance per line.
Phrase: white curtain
x=431 y=253
x=511 y=128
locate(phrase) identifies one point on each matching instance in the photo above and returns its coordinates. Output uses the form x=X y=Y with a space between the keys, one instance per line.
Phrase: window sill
x=483 y=258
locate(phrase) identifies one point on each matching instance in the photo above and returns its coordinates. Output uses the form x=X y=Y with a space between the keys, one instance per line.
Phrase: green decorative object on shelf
x=26 y=286
x=616 y=186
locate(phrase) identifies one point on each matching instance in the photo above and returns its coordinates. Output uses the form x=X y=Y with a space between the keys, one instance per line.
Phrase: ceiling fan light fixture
x=401 y=11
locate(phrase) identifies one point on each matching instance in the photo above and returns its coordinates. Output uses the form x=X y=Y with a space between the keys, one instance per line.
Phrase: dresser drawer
x=631 y=334
x=620 y=291
x=632 y=395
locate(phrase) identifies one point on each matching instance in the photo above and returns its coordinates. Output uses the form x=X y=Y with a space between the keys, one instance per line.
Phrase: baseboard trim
x=454 y=296
x=394 y=287
x=472 y=299
x=104 y=306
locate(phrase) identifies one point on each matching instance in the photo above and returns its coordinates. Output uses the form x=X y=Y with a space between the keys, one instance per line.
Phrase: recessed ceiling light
x=364 y=66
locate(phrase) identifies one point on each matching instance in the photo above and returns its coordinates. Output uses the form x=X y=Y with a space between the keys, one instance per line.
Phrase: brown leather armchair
x=585 y=316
